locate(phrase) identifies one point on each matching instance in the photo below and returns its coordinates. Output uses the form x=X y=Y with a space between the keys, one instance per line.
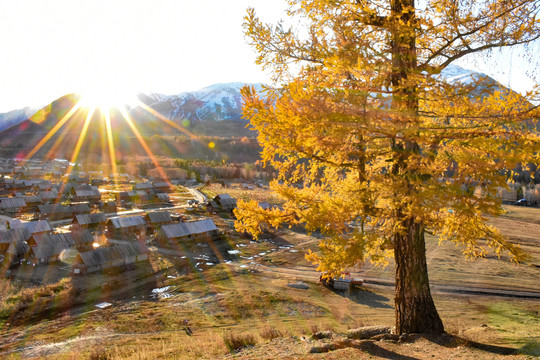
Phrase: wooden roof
x=89 y=219
x=159 y=217
x=104 y=255
x=88 y=193
x=126 y=222
x=51 y=245
x=38 y=226
x=11 y=235
x=12 y=203
x=179 y=230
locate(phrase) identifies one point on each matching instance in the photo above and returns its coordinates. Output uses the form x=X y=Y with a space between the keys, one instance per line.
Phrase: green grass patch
x=520 y=327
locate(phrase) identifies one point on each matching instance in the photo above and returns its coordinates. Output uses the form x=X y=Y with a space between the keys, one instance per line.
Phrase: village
x=56 y=223
x=85 y=251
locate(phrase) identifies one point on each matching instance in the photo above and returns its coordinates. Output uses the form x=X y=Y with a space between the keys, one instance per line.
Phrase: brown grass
x=235 y=342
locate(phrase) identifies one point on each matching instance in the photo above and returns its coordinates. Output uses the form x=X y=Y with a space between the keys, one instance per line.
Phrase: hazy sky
x=52 y=47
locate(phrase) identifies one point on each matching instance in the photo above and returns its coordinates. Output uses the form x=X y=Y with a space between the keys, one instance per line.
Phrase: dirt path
x=311 y=274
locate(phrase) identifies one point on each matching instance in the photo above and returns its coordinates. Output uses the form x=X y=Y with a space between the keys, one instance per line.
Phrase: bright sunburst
x=106 y=97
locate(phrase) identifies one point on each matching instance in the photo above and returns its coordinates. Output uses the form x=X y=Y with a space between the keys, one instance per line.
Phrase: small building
x=124 y=197
x=59 y=211
x=195 y=230
x=143 y=186
x=83 y=239
x=53 y=212
x=213 y=206
x=49 y=248
x=9 y=236
x=126 y=227
x=92 y=196
x=49 y=196
x=80 y=208
x=12 y=206
x=162 y=187
x=90 y=221
x=108 y=206
x=38 y=227
x=104 y=258
x=225 y=202
x=32 y=202
x=43 y=239
x=157 y=219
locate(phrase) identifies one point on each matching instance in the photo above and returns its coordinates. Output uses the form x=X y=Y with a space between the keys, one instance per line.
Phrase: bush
x=99 y=353
x=235 y=342
x=270 y=333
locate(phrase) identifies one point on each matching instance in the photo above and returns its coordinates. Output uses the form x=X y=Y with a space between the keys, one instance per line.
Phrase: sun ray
x=82 y=135
x=143 y=143
x=110 y=141
x=53 y=131
x=77 y=149
x=166 y=120
x=69 y=127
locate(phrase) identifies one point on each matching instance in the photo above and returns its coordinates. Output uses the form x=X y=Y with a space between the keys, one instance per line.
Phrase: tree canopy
x=374 y=147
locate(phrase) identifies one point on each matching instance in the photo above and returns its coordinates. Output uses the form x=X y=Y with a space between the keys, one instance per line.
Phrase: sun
x=106 y=97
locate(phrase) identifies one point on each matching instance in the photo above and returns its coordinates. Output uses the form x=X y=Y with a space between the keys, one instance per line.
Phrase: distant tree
x=363 y=119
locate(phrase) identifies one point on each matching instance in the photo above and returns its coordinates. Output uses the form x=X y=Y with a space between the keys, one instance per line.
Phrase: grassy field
x=270 y=298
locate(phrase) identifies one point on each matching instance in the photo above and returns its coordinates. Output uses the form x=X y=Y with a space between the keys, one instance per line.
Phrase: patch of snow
x=103 y=305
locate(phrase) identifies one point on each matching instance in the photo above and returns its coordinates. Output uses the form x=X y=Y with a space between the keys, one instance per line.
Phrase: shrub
x=235 y=342
x=99 y=353
x=270 y=333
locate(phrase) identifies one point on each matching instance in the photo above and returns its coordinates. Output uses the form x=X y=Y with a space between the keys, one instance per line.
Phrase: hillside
x=264 y=297
x=15 y=117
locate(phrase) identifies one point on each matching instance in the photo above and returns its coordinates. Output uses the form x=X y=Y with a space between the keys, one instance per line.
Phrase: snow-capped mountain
x=453 y=73
x=15 y=117
x=223 y=102
x=213 y=103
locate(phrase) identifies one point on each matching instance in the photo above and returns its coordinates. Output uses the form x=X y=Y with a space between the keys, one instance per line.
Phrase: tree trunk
x=415 y=310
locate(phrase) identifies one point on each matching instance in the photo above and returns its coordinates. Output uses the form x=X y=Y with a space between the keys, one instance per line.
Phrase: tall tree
x=374 y=148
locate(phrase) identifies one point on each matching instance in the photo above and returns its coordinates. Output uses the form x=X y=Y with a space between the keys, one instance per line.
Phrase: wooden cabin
x=195 y=230
x=104 y=258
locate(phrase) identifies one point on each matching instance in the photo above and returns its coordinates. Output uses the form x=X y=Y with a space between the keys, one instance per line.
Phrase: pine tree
x=374 y=148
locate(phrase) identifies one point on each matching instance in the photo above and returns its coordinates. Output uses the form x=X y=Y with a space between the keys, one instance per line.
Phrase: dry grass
x=270 y=333
x=256 y=302
x=235 y=342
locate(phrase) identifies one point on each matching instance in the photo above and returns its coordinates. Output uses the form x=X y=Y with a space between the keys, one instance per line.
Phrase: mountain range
x=213 y=113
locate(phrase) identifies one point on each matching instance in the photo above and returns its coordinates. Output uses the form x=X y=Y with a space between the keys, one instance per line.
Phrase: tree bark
x=415 y=309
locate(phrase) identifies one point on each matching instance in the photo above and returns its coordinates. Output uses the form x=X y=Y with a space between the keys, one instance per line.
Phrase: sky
x=53 y=47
